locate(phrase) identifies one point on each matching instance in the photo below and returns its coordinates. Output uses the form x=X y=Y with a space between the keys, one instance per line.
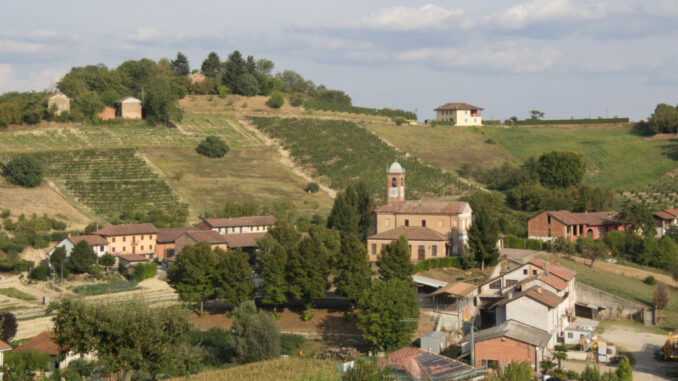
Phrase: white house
x=237 y=225
x=462 y=114
x=98 y=244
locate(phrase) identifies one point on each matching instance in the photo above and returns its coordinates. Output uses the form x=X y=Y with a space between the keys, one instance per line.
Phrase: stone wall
x=614 y=305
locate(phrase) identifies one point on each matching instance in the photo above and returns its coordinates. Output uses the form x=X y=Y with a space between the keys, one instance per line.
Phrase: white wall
x=527 y=311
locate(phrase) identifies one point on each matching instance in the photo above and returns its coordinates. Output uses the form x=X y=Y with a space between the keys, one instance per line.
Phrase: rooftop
x=412 y=233
x=92 y=239
x=456 y=289
x=169 y=235
x=514 y=330
x=133 y=257
x=207 y=236
x=240 y=221
x=536 y=293
x=243 y=239
x=417 y=362
x=127 y=229
x=43 y=342
x=396 y=168
x=425 y=207
x=591 y=219
x=560 y=272
x=458 y=106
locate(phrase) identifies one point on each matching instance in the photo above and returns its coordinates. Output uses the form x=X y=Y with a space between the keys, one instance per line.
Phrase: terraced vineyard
x=109 y=181
x=660 y=195
x=343 y=152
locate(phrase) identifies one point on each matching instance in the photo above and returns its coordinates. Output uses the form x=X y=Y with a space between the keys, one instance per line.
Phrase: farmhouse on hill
x=554 y=224
x=462 y=114
x=135 y=239
x=128 y=108
x=433 y=229
x=59 y=103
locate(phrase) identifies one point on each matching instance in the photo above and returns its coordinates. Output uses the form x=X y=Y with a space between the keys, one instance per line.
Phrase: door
x=422 y=252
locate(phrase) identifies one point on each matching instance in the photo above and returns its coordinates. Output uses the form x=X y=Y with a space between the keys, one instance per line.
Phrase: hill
x=291 y=369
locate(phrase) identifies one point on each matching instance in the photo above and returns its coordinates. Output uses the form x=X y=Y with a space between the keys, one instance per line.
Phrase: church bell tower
x=396 y=182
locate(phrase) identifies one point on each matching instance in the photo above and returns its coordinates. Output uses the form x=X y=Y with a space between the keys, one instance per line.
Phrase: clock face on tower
x=393 y=192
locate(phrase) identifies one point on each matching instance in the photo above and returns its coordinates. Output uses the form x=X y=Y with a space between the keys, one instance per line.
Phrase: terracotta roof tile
x=458 y=106
x=4 y=346
x=44 y=343
x=535 y=293
x=425 y=207
x=169 y=235
x=243 y=240
x=240 y=221
x=207 y=236
x=592 y=219
x=560 y=272
x=412 y=233
x=133 y=257
x=127 y=229
x=92 y=239
x=553 y=281
x=664 y=215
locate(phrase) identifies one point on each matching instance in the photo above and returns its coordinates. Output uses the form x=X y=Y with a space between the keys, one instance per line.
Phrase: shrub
x=217 y=345
x=6 y=213
x=650 y=280
x=27 y=361
x=25 y=171
x=434 y=263
x=296 y=101
x=40 y=272
x=291 y=344
x=8 y=326
x=399 y=120
x=212 y=147
x=312 y=188
x=276 y=100
x=223 y=91
x=145 y=271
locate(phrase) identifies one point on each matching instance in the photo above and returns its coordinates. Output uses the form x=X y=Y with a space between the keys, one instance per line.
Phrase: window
x=548 y=232
x=394 y=182
x=434 y=250
x=465 y=120
x=142 y=247
x=124 y=239
x=524 y=271
x=534 y=272
x=466 y=112
x=124 y=248
x=510 y=282
x=374 y=248
x=589 y=233
x=150 y=247
x=113 y=239
x=496 y=285
x=570 y=335
x=423 y=223
x=548 y=220
x=407 y=222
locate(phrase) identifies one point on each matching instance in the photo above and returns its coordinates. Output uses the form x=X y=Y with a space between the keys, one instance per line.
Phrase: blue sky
x=564 y=57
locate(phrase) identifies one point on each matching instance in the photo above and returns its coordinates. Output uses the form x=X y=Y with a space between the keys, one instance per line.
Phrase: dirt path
x=642 y=345
x=285 y=156
x=627 y=271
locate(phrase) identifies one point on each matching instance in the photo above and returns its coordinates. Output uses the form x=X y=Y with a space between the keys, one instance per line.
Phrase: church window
x=423 y=223
x=407 y=222
x=393 y=182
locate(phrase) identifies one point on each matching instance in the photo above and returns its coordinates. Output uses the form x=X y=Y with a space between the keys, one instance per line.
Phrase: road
x=643 y=346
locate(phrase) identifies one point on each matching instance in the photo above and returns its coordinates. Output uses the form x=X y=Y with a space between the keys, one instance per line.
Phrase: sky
x=567 y=58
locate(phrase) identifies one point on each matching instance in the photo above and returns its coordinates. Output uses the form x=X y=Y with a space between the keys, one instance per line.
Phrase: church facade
x=433 y=229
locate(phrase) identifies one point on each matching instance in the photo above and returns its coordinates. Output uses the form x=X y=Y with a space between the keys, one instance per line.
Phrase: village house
x=237 y=225
x=554 y=224
x=165 y=246
x=665 y=219
x=44 y=343
x=246 y=242
x=131 y=239
x=433 y=229
x=98 y=244
x=128 y=108
x=215 y=240
x=462 y=114
x=509 y=341
x=59 y=103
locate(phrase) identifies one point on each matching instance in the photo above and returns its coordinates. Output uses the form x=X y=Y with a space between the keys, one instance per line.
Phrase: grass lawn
x=615 y=157
x=625 y=287
x=291 y=369
x=17 y=294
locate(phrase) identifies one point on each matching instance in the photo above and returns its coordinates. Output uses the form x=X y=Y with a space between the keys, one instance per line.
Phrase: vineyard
x=660 y=195
x=109 y=181
x=343 y=152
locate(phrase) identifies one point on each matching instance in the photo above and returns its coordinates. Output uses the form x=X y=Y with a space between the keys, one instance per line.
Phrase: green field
x=290 y=369
x=342 y=152
x=17 y=294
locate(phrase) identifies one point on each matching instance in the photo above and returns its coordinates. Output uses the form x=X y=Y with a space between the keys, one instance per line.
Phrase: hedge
x=145 y=271
x=513 y=242
x=492 y=123
x=529 y=122
x=329 y=106
x=434 y=263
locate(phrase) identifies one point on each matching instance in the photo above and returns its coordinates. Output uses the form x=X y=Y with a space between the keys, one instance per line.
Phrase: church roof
x=395 y=167
x=424 y=207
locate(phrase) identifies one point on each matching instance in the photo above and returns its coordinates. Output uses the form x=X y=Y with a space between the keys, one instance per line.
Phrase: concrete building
x=130 y=239
x=128 y=108
x=252 y=224
x=215 y=240
x=98 y=244
x=554 y=224
x=59 y=103
x=425 y=224
x=462 y=114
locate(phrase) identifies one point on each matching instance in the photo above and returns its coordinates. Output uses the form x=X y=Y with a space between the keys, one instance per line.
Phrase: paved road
x=643 y=346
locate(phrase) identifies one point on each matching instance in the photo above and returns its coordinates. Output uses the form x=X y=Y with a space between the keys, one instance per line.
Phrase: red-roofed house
x=44 y=343
x=665 y=219
x=165 y=244
x=554 y=224
x=215 y=239
x=98 y=244
x=130 y=238
x=462 y=114
x=434 y=229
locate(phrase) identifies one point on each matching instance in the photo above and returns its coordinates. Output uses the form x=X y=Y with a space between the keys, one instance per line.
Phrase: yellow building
x=462 y=114
x=130 y=239
x=433 y=229
x=128 y=108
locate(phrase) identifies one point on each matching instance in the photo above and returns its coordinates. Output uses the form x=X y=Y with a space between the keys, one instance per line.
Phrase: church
x=433 y=229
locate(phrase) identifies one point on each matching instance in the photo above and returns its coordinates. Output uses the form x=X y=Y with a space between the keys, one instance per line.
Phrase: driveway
x=643 y=346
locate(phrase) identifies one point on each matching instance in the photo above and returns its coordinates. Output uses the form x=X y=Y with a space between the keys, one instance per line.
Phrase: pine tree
x=180 y=65
x=82 y=258
x=343 y=216
x=353 y=275
x=234 y=68
x=483 y=235
x=211 y=66
x=272 y=262
x=394 y=261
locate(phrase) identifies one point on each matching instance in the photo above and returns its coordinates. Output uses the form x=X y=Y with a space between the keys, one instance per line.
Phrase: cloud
x=14 y=46
x=428 y=16
x=45 y=79
x=542 y=11
x=145 y=35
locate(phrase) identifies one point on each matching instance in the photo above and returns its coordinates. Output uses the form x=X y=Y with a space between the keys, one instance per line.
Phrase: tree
x=127 y=336
x=352 y=270
x=8 y=326
x=25 y=171
x=517 y=371
x=561 y=169
x=180 y=65
x=560 y=353
x=211 y=66
x=82 y=258
x=264 y=66
x=624 y=370
x=212 y=147
x=272 y=262
x=483 y=235
x=234 y=69
x=394 y=261
x=247 y=85
x=593 y=249
x=312 y=187
x=661 y=296
x=58 y=259
x=546 y=366
x=233 y=277
x=590 y=374
x=191 y=275
x=353 y=210
x=638 y=217
x=664 y=119
x=276 y=100
x=307 y=271
x=536 y=114
x=107 y=260
x=388 y=314
x=160 y=103
x=256 y=335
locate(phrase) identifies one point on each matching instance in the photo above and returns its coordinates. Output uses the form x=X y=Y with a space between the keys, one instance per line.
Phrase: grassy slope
x=616 y=157
x=625 y=287
x=279 y=369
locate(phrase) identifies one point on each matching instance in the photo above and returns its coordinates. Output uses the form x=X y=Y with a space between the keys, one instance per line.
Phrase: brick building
x=554 y=224
x=215 y=240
